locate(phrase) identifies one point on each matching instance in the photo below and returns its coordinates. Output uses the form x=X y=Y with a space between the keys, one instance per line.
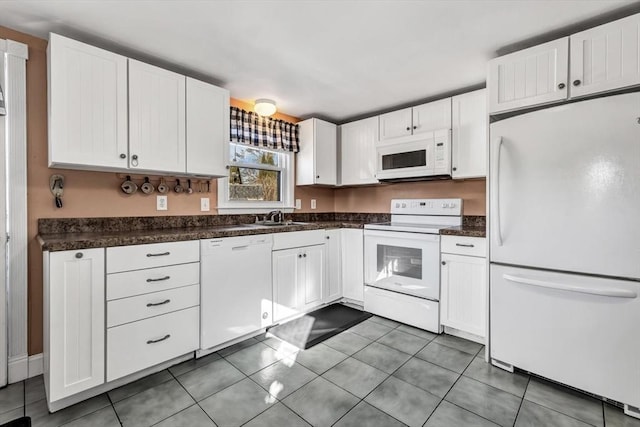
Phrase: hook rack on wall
x=56 y=186
x=163 y=185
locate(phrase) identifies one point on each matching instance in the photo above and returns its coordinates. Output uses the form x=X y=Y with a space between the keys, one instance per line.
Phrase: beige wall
x=93 y=194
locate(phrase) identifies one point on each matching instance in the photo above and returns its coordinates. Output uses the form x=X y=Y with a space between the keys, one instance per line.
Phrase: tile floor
x=378 y=373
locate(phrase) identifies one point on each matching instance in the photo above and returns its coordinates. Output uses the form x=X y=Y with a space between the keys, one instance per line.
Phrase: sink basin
x=274 y=224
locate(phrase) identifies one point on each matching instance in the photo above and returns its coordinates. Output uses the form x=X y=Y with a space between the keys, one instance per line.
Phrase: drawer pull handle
x=162 y=254
x=166 y=337
x=159 y=279
x=154 y=304
x=465 y=245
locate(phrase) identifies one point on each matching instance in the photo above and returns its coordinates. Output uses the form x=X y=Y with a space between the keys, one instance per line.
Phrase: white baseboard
x=23 y=367
x=36 y=365
x=466 y=335
x=18 y=368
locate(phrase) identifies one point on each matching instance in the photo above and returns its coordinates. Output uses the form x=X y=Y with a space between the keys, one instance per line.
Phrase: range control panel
x=426 y=206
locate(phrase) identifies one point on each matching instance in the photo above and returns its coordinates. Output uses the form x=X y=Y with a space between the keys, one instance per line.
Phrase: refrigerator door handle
x=495 y=185
x=605 y=292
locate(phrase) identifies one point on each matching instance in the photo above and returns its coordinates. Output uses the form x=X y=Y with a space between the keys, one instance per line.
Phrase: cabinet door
x=353 y=264
x=358 y=152
x=533 y=76
x=332 y=289
x=395 y=124
x=87 y=106
x=325 y=154
x=156 y=119
x=312 y=276
x=207 y=129
x=75 y=321
x=606 y=57
x=469 y=135
x=463 y=293
x=432 y=116
x=285 y=283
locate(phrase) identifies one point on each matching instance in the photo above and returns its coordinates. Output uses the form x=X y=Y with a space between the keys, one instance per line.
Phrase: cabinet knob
x=561 y=86
x=454 y=169
x=327 y=237
x=576 y=82
x=265 y=315
x=444 y=263
x=317 y=176
x=79 y=255
x=134 y=160
x=304 y=255
x=299 y=255
x=123 y=156
x=408 y=128
x=415 y=127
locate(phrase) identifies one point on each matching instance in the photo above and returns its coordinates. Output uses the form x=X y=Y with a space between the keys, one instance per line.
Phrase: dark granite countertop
x=85 y=233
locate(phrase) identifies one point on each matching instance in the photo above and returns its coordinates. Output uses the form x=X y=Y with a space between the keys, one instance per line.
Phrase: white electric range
x=402 y=261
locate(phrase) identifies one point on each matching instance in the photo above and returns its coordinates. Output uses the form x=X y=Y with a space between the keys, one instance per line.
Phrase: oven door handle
x=401 y=235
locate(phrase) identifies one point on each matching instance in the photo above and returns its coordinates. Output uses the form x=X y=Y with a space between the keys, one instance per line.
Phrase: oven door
x=408 y=263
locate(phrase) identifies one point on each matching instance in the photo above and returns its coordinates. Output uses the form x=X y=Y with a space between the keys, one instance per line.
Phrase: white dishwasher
x=235 y=287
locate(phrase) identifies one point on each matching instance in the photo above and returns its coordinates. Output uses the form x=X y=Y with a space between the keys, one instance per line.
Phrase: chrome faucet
x=274 y=216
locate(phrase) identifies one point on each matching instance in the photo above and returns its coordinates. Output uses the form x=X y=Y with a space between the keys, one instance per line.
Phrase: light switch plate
x=161 y=203
x=298 y=204
x=313 y=203
x=204 y=204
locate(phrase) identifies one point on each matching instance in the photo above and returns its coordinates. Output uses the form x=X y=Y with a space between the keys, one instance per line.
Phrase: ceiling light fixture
x=264 y=107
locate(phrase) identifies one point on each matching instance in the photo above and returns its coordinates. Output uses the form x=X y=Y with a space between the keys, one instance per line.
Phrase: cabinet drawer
x=126 y=258
x=139 y=345
x=138 y=282
x=128 y=310
x=297 y=239
x=462 y=245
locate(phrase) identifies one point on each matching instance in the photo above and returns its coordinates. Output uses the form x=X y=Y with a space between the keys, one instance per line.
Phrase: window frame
x=287 y=168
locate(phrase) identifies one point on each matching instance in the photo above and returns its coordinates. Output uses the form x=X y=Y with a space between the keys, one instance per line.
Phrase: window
x=259 y=180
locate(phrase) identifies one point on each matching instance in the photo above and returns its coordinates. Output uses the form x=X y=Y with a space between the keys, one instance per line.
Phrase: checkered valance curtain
x=250 y=128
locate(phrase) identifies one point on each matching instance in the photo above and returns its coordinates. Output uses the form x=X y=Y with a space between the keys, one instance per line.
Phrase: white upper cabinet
x=416 y=120
x=395 y=124
x=606 y=57
x=529 y=77
x=87 y=106
x=156 y=119
x=358 y=152
x=469 y=135
x=317 y=159
x=207 y=128
x=432 y=116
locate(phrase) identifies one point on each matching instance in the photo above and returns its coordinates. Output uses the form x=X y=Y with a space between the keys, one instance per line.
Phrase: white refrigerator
x=564 y=212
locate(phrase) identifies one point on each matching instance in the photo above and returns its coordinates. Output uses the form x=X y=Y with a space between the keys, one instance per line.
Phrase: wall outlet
x=313 y=203
x=298 y=204
x=204 y=204
x=161 y=203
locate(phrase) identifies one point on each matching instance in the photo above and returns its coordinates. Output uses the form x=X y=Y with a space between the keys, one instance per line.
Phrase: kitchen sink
x=274 y=224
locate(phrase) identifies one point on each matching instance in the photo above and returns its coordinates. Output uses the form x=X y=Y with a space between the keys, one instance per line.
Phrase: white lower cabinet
x=298 y=272
x=333 y=285
x=463 y=286
x=73 y=321
x=352 y=245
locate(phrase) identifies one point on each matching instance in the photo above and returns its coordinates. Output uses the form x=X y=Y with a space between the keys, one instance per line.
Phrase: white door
x=312 y=276
x=332 y=288
x=358 y=152
x=432 y=116
x=463 y=293
x=408 y=263
x=353 y=264
x=606 y=57
x=395 y=124
x=207 y=124
x=577 y=330
x=4 y=318
x=469 y=135
x=156 y=119
x=529 y=77
x=286 y=275
x=564 y=191
x=76 y=321
x=325 y=155
x=87 y=105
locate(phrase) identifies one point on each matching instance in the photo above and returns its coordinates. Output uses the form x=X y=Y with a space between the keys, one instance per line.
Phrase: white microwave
x=428 y=155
